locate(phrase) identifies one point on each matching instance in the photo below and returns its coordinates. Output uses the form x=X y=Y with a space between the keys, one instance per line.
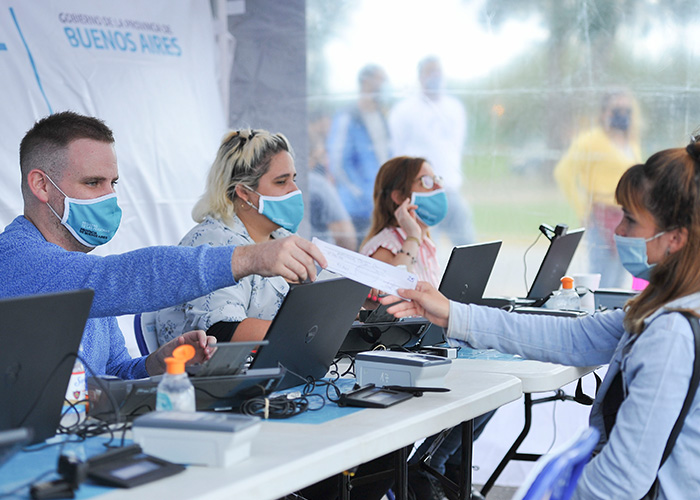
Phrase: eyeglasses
x=429 y=181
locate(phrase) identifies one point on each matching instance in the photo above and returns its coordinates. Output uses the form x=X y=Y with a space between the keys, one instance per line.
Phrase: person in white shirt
x=432 y=125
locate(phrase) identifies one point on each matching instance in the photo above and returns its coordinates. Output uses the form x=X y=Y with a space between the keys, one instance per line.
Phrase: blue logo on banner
x=3 y=46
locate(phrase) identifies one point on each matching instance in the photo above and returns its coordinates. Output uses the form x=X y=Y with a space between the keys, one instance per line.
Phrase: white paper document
x=366 y=270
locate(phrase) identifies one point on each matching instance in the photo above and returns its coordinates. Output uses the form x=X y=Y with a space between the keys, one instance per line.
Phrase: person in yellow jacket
x=588 y=174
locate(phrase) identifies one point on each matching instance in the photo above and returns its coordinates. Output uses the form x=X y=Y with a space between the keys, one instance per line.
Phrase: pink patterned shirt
x=392 y=238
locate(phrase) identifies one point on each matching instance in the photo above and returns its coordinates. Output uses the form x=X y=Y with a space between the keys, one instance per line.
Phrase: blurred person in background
x=328 y=217
x=588 y=174
x=431 y=124
x=358 y=143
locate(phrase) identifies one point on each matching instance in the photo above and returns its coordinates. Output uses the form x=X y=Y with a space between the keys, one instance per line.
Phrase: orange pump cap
x=181 y=355
x=567 y=282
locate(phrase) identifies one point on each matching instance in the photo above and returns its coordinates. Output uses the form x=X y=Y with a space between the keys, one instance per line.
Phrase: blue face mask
x=620 y=119
x=286 y=211
x=633 y=255
x=92 y=222
x=432 y=206
x=433 y=84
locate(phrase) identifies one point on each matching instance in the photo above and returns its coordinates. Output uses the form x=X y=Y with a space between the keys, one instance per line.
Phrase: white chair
x=145 y=332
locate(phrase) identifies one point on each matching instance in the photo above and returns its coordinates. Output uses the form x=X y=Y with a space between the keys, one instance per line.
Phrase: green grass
x=519 y=220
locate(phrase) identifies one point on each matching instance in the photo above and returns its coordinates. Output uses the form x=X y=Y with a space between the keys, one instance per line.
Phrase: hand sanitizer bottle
x=568 y=298
x=175 y=391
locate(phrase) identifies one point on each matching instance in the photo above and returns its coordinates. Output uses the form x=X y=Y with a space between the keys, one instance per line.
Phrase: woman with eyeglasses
x=649 y=346
x=408 y=199
x=251 y=196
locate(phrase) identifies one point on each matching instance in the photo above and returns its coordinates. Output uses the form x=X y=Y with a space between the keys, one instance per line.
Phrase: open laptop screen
x=310 y=327
x=555 y=264
x=40 y=336
x=468 y=271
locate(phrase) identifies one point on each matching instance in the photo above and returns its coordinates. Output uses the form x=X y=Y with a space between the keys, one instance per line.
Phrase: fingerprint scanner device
x=127 y=467
x=398 y=368
x=213 y=439
x=371 y=396
x=613 y=298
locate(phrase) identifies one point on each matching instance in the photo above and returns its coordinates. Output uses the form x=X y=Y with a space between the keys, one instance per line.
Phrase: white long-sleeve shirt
x=431 y=129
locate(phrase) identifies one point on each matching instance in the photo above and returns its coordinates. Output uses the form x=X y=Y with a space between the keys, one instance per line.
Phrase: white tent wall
x=148 y=70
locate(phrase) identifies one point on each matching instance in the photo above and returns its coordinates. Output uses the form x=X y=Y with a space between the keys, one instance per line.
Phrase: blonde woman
x=251 y=197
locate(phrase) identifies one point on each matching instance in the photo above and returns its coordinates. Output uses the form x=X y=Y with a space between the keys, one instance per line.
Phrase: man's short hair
x=368 y=71
x=44 y=145
x=431 y=59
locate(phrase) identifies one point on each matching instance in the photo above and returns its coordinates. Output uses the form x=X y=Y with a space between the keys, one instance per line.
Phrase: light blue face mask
x=633 y=255
x=286 y=211
x=432 y=206
x=92 y=222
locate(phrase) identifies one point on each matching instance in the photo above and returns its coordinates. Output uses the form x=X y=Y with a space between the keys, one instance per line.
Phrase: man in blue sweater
x=69 y=172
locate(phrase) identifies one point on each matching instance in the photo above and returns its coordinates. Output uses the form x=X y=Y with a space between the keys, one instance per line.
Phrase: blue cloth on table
x=26 y=466
x=330 y=410
x=490 y=354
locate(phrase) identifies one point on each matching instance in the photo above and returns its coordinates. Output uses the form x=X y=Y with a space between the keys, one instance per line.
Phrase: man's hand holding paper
x=366 y=270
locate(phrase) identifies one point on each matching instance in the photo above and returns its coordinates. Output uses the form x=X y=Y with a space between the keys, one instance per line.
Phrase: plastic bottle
x=568 y=298
x=175 y=391
x=553 y=302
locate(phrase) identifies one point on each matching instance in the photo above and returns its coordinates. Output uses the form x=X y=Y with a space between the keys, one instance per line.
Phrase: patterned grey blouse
x=252 y=297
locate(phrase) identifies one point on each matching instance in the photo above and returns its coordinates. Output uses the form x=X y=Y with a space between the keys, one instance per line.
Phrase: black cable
x=278 y=407
x=287 y=405
x=100 y=384
x=43 y=390
x=350 y=369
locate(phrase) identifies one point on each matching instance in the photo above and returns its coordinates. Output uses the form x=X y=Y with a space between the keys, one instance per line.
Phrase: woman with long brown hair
x=649 y=345
x=408 y=198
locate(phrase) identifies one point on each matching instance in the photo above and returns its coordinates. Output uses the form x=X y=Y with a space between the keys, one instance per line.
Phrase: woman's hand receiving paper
x=425 y=301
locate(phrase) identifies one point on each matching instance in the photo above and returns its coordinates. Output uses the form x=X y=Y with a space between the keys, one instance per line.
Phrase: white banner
x=147 y=69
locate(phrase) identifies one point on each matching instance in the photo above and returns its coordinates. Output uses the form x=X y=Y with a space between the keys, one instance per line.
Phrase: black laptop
x=554 y=265
x=464 y=280
x=468 y=271
x=40 y=337
x=309 y=328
